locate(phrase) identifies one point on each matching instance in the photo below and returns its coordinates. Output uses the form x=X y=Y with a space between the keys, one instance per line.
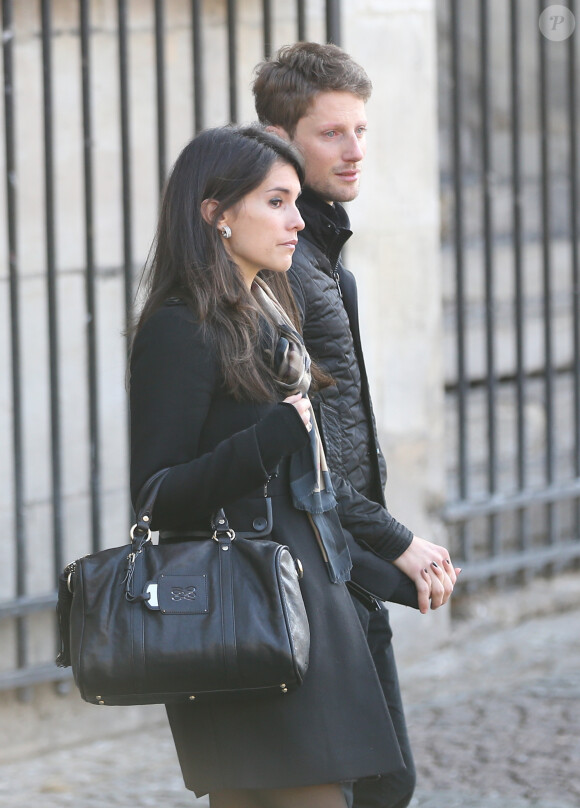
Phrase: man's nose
x=354 y=151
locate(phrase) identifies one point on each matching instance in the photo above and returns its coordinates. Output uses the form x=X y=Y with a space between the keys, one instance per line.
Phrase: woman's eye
x=276 y=202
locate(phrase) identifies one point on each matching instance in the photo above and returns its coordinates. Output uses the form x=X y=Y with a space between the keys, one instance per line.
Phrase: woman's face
x=265 y=224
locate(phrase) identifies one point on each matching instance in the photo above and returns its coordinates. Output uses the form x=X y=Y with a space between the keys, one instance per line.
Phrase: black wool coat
x=336 y=726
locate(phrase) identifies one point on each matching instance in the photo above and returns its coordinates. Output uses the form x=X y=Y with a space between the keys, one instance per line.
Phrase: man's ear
x=208 y=209
x=280 y=131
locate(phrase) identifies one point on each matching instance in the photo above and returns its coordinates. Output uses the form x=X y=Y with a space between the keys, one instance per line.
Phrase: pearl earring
x=226 y=231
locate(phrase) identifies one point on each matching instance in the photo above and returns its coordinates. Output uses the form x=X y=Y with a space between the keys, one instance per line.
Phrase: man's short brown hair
x=286 y=85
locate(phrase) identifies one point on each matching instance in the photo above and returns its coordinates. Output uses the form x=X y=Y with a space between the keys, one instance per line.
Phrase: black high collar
x=327 y=226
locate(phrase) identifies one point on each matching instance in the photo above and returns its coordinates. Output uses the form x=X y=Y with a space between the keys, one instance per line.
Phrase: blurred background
x=466 y=255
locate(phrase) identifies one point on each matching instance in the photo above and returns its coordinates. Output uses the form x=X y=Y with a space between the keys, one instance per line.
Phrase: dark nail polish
x=435 y=564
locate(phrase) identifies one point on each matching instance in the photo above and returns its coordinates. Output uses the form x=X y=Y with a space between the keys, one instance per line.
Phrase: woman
x=217 y=381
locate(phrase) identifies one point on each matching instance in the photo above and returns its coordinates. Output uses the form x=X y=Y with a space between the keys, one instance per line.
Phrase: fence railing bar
x=458 y=241
x=301 y=20
x=537 y=559
x=519 y=302
x=463 y=510
x=51 y=281
x=333 y=22
x=20 y=539
x=546 y=272
x=267 y=28
x=34 y=675
x=26 y=604
x=90 y=280
x=574 y=237
x=125 y=157
x=232 y=25
x=160 y=93
x=488 y=249
x=126 y=181
x=197 y=54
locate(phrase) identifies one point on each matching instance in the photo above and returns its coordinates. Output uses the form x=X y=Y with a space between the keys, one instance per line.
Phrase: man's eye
x=361 y=131
x=330 y=134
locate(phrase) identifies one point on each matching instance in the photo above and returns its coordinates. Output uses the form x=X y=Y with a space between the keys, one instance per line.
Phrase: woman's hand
x=302 y=405
x=429 y=566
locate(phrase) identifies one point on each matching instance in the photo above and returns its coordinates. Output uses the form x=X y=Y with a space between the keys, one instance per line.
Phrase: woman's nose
x=298 y=221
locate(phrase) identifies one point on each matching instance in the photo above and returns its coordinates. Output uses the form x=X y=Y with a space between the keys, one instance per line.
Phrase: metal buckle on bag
x=222 y=529
x=132 y=534
x=231 y=534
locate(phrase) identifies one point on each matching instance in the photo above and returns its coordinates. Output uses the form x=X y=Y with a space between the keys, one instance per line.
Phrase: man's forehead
x=334 y=106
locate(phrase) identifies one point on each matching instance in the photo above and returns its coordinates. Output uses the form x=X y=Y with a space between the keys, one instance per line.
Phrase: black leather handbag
x=185 y=620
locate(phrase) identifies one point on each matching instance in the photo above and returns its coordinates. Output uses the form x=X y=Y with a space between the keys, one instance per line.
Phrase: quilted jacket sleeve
x=369 y=522
x=174 y=376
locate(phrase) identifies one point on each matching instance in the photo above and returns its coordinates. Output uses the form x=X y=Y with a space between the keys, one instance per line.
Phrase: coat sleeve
x=369 y=522
x=174 y=375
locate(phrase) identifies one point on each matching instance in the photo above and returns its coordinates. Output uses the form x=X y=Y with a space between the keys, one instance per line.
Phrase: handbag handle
x=145 y=502
x=219 y=521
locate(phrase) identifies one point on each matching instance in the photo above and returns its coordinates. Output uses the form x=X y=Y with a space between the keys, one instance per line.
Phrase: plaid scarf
x=310 y=482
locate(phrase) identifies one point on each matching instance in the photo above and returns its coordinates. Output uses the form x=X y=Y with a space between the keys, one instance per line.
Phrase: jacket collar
x=327 y=226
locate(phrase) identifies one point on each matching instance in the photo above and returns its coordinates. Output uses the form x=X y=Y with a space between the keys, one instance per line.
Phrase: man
x=314 y=95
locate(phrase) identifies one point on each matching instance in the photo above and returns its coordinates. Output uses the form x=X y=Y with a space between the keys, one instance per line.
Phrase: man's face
x=332 y=139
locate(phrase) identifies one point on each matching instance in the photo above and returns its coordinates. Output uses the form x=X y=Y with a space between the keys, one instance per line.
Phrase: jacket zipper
x=336 y=278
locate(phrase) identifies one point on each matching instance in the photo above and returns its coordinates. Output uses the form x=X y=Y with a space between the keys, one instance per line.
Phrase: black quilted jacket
x=326 y=296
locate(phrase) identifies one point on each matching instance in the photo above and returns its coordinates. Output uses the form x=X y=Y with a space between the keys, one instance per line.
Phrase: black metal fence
x=77 y=158
x=509 y=139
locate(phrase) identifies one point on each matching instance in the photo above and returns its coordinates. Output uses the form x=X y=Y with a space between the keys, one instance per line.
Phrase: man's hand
x=429 y=566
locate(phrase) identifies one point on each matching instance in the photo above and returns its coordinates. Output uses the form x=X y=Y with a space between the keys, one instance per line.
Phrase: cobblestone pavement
x=494 y=721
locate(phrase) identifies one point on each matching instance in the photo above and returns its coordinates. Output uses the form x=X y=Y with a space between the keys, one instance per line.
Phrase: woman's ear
x=208 y=209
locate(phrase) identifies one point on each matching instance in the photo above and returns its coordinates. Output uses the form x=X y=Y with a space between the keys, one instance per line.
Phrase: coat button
x=259 y=523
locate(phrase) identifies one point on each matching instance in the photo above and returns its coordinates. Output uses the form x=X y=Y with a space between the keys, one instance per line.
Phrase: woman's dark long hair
x=188 y=258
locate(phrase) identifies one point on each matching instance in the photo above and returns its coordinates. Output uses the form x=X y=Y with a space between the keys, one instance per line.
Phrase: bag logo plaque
x=180 y=593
